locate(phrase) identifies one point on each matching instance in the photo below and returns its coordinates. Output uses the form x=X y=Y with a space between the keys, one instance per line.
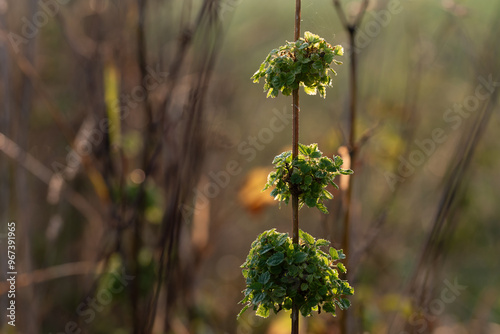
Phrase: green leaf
x=255 y=286
x=341 y=254
x=290 y=78
x=264 y=278
x=304 y=286
x=275 y=259
x=338 y=50
x=322 y=242
x=317 y=65
x=265 y=249
x=306 y=237
x=327 y=194
x=310 y=90
x=305 y=168
x=315 y=155
x=344 y=303
x=293 y=271
x=296 y=178
x=275 y=270
x=258 y=297
x=322 y=208
x=308 y=179
x=328 y=58
x=334 y=254
x=329 y=307
x=299 y=257
x=338 y=161
x=242 y=311
x=346 y=171
x=281 y=240
x=262 y=311
x=341 y=267
x=303 y=149
x=310 y=201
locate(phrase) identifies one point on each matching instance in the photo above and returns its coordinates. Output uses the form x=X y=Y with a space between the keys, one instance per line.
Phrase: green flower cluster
x=278 y=272
x=308 y=174
x=305 y=62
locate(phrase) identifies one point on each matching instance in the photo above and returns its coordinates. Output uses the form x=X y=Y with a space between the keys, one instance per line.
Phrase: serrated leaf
x=341 y=267
x=327 y=194
x=304 y=286
x=329 y=307
x=275 y=259
x=322 y=242
x=328 y=58
x=333 y=253
x=310 y=90
x=338 y=161
x=317 y=65
x=290 y=78
x=306 y=237
x=264 y=278
x=293 y=271
x=346 y=302
x=322 y=208
x=262 y=311
x=265 y=249
x=299 y=257
x=258 y=297
x=315 y=155
x=303 y=149
x=255 y=286
x=281 y=239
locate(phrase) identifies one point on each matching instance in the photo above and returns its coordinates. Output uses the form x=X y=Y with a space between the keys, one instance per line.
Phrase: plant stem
x=352 y=153
x=295 y=153
x=352 y=141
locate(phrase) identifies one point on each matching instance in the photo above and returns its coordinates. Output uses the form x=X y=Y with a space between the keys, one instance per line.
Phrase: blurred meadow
x=134 y=148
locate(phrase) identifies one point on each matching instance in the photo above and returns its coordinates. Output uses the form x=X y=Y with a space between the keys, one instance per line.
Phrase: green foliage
x=305 y=62
x=278 y=272
x=308 y=174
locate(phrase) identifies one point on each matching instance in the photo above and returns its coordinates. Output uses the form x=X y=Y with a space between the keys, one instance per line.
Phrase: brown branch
x=35 y=167
x=361 y=13
x=30 y=72
x=341 y=14
x=351 y=29
x=47 y=274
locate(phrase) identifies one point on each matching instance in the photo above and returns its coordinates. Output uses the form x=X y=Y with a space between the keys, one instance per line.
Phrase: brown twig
x=351 y=29
x=47 y=274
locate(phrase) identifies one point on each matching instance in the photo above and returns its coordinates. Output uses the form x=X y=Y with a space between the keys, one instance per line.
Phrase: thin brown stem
x=351 y=29
x=352 y=153
x=295 y=153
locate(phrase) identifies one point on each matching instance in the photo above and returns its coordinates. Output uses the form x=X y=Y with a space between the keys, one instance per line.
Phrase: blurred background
x=134 y=147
